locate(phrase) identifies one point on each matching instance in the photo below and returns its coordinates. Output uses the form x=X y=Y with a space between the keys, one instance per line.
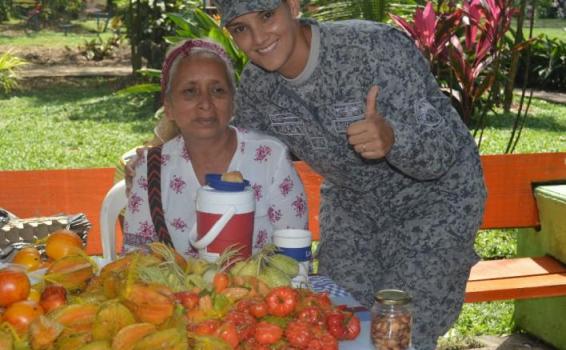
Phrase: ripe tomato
x=319 y=300
x=220 y=281
x=298 y=334
x=281 y=301
x=62 y=243
x=335 y=324
x=28 y=257
x=229 y=334
x=244 y=322
x=20 y=314
x=258 y=309
x=207 y=327
x=253 y=306
x=312 y=315
x=14 y=286
x=252 y=344
x=52 y=297
x=353 y=327
x=267 y=333
x=343 y=325
x=189 y=300
x=323 y=341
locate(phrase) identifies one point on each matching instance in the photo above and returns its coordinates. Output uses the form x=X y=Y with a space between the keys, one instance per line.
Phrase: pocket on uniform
x=426 y=113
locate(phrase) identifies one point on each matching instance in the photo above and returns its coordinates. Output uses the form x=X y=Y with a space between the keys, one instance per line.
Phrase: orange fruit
x=20 y=314
x=63 y=243
x=28 y=257
x=14 y=286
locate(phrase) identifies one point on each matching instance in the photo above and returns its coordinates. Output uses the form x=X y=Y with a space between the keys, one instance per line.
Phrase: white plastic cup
x=296 y=244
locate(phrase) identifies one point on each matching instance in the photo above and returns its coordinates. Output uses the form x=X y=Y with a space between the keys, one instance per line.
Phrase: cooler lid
x=215 y=181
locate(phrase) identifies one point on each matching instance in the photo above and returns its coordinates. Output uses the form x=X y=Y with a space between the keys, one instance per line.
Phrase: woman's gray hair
x=194 y=48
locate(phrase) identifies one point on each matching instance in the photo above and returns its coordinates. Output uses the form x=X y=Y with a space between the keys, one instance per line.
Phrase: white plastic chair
x=112 y=205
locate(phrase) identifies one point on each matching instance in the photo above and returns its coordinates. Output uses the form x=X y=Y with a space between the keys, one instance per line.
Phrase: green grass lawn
x=52 y=37
x=544 y=131
x=554 y=28
x=79 y=124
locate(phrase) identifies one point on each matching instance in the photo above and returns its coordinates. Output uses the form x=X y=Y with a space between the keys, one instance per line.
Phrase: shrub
x=548 y=64
x=8 y=76
x=97 y=49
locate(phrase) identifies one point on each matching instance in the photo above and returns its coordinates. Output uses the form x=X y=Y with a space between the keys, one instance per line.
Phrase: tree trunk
x=134 y=35
x=519 y=38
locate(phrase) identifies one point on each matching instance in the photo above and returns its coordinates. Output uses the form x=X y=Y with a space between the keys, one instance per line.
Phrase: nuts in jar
x=391 y=320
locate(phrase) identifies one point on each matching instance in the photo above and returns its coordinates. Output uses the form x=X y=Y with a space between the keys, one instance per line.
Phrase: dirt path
x=40 y=71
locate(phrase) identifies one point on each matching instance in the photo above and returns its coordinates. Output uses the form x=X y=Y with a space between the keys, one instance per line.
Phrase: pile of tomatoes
x=20 y=304
x=285 y=318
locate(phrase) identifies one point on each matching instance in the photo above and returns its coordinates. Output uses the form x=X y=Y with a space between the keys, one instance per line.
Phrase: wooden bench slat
x=518 y=267
x=311 y=181
x=516 y=288
x=50 y=192
x=510 y=200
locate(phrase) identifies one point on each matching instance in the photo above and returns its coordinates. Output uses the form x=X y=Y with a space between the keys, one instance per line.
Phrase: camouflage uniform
x=407 y=221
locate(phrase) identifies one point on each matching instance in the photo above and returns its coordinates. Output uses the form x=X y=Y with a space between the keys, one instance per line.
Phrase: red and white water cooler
x=225 y=218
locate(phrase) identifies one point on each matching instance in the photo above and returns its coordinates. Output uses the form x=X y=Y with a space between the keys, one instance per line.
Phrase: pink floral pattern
x=134 y=202
x=146 y=230
x=177 y=184
x=262 y=153
x=286 y=186
x=179 y=224
x=258 y=191
x=142 y=183
x=274 y=214
x=300 y=206
x=261 y=239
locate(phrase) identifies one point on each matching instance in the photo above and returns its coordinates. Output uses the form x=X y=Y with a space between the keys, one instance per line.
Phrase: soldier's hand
x=373 y=136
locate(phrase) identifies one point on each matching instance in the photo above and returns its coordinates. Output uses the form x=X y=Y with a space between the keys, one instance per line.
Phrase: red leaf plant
x=464 y=46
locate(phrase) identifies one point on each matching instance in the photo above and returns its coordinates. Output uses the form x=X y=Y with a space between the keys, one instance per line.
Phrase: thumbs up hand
x=373 y=136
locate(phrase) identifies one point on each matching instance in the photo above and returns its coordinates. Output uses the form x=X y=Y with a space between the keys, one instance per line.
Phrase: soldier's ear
x=294 y=7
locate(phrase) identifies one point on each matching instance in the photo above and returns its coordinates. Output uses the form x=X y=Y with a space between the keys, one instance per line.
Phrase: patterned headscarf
x=184 y=50
x=230 y=9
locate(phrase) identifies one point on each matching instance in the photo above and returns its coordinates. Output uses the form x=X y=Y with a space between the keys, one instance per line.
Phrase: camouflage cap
x=230 y=9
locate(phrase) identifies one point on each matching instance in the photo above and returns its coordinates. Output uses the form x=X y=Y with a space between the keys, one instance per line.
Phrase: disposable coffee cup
x=296 y=244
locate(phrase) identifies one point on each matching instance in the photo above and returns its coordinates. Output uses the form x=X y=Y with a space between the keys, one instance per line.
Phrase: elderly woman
x=198 y=91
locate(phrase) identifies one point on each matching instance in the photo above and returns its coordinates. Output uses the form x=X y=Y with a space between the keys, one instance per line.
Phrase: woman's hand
x=373 y=136
x=130 y=168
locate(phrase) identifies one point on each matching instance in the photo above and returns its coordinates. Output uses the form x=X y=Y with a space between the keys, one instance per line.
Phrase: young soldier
x=403 y=194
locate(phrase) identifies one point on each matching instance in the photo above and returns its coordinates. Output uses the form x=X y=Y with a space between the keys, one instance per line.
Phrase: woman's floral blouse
x=263 y=161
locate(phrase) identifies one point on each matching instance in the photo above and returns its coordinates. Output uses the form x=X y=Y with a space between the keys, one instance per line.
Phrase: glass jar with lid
x=391 y=320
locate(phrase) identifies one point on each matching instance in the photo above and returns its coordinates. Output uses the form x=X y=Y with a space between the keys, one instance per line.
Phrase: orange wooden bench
x=510 y=204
